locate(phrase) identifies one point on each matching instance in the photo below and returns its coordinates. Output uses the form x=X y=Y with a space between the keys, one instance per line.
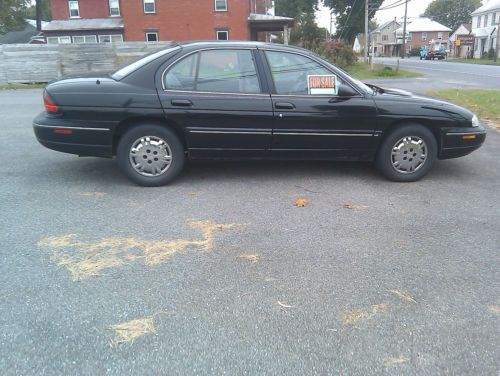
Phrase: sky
x=415 y=9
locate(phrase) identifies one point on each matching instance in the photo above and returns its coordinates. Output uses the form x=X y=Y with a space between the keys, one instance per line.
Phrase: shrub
x=491 y=54
x=415 y=51
x=337 y=53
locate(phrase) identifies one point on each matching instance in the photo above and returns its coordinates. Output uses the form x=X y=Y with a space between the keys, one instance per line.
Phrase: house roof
x=20 y=36
x=424 y=24
x=254 y=17
x=489 y=6
x=84 y=24
x=384 y=25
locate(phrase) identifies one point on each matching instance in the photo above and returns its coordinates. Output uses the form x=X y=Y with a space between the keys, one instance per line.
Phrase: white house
x=485 y=22
x=464 y=49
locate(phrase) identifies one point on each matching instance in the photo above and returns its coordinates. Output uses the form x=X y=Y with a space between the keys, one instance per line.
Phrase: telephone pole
x=497 y=50
x=404 y=31
x=366 y=31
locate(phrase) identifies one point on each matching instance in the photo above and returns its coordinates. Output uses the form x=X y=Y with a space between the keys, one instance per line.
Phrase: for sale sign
x=322 y=84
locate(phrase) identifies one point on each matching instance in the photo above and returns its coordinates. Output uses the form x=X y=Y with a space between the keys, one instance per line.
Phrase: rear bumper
x=458 y=142
x=58 y=135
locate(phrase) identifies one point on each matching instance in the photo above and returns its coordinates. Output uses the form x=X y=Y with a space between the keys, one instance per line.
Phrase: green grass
x=363 y=71
x=22 y=86
x=485 y=103
x=475 y=61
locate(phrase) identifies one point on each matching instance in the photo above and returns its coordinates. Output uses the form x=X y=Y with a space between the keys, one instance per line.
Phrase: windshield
x=125 y=71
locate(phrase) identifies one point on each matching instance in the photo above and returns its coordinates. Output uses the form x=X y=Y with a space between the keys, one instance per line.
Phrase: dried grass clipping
x=354 y=207
x=403 y=295
x=363 y=314
x=250 y=257
x=390 y=362
x=91 y=258
x=128 y=332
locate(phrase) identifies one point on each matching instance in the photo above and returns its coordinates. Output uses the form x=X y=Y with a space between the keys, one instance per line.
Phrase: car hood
x=406 y=98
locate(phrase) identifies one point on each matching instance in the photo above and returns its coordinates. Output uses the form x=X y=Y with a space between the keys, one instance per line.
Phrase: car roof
x=235 y=43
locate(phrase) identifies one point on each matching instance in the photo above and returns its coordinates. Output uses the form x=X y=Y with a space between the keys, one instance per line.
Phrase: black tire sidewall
x=178 y=155
x=383 y=160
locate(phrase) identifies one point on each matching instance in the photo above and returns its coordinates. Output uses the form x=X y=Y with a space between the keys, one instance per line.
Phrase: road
x=441 y=75
x=403 y=281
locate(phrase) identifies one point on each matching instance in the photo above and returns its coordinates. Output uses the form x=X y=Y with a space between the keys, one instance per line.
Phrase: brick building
x=421 y=32
x=108 y=21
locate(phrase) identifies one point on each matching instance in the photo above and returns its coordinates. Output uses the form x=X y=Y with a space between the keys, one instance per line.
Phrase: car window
x=227 y=71
x=218 y=71
x=290 y=72
x=182 y=75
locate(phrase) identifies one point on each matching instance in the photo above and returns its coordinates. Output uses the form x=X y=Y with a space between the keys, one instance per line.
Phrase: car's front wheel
x=407 y=153
x=150 y=155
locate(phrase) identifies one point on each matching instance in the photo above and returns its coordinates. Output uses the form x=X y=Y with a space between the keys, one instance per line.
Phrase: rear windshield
x=125 y=71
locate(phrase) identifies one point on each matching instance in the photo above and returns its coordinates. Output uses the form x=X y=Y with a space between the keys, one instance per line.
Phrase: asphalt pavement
x=370 y=277
x=440 y=74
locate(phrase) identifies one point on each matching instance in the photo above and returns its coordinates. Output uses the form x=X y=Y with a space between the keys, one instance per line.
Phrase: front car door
x=220 y=101
x=312 y=124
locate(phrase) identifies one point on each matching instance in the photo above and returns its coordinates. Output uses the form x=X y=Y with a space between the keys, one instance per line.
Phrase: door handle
x=284 y=106
x=181 y=102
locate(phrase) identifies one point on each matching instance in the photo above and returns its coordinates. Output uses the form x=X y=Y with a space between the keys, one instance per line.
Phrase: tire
x=407 y=153
x=158 y=155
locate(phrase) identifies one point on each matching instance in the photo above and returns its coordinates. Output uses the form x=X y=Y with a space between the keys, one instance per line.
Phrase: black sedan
x=247 y=100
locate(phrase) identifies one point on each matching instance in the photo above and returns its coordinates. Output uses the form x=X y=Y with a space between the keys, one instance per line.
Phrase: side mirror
x=346 y=91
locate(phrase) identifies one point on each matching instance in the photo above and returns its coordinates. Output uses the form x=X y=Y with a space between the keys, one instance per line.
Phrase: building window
x=424 y=35
x=84 y=39
x=494 y=19
x=485 y=20
x=117 y=38
x=221 y=5
x=385 y=38
x=409 y=37
x=222 y=35
x=149 y=6
x=151 y=36
x=59 y=40
x=74 y=10
x=478 y=22
x=114 y=8
x=440 y=35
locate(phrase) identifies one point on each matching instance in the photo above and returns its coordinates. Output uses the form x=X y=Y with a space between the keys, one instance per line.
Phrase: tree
x=295 y=8
x=46 y=12
x=452 y=13
x=306 y=32
x=12 y=13
x=350 y=16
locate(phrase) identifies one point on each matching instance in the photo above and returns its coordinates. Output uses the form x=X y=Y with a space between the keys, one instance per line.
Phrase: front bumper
x=74 y=138
x=457 y=142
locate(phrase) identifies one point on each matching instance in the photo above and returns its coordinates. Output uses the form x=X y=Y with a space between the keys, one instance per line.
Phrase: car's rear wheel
x=150 y=155
x=407 y=153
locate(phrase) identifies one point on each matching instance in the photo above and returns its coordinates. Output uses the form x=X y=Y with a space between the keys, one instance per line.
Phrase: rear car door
x=220 y=101
x=317 y=124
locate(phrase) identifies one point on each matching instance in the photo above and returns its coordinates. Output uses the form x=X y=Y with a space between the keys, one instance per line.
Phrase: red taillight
x=63 y=131
x=49 y=104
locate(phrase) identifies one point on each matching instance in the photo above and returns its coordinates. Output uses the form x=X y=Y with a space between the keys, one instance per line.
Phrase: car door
x=218 y=98
x=318 y=123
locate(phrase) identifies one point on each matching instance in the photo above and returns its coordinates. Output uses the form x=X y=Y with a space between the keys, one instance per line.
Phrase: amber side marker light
x=49 y=104
x=469 y=137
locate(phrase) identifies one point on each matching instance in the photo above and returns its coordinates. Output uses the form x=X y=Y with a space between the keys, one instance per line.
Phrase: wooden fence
x=30 y=63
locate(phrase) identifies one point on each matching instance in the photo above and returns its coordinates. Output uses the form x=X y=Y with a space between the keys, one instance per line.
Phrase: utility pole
x=38 y=8
x=366 y=31
x=331 y=23
x=404 y=31
x=497 y=50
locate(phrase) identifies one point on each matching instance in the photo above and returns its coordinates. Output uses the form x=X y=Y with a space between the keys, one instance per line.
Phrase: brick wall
x=185 y=20
x=418 y=42
x=88 y=8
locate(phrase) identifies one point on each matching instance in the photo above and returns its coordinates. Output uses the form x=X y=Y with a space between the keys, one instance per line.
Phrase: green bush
x=337 y=53
x=415 y=51
x=387 y=72
x=491 y=54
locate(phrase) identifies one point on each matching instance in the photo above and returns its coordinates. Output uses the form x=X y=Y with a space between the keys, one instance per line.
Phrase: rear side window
x=216 y=71
x=290 y=72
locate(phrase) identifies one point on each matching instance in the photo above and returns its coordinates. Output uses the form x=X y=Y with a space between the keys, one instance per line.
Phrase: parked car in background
x=247 y=100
